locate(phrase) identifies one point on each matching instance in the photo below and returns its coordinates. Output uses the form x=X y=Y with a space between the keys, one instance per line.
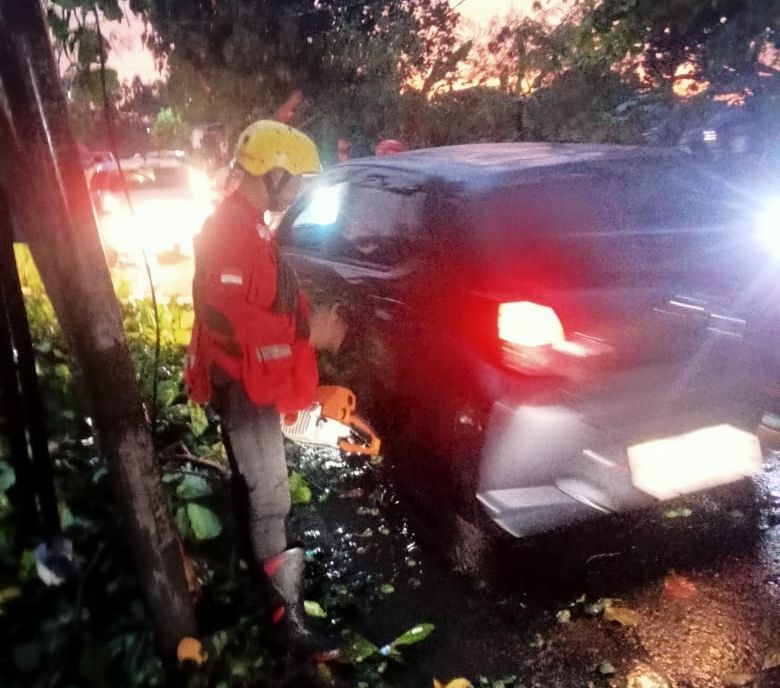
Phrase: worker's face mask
x=282 y=189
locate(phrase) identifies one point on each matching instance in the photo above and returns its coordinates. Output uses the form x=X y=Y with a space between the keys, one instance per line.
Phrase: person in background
x=344 y=150
x=389 y=147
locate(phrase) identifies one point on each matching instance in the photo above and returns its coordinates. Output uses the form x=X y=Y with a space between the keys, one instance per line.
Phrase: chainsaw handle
x=369 y=449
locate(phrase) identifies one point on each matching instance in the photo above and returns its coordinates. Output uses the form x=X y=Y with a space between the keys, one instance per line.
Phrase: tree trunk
x=30 y=400
x=42 y=173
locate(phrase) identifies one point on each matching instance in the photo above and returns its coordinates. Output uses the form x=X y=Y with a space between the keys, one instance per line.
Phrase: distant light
x=768 y=226
x=200 y=183
x=710 y=135
x=109 y=203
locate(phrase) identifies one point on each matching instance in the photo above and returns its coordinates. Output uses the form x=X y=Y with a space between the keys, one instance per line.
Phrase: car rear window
x=651 y=196
x=645 y=221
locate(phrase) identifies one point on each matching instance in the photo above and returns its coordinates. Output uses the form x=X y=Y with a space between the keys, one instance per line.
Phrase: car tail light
x=529 y=333
x=527 y=324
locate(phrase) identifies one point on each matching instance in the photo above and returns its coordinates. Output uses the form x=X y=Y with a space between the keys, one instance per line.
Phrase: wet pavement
x=685 y=596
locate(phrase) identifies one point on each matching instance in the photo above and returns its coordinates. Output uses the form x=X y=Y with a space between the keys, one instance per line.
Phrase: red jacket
x=239 y=325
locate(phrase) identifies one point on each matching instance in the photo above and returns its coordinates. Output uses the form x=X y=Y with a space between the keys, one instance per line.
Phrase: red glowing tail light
x=533 y=341
x=529 y=333
x=526 y=324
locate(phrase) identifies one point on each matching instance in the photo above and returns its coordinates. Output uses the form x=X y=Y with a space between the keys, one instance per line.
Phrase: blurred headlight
x=768 y=226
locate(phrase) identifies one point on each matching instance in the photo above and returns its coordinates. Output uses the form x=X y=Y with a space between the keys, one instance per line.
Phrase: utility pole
x=43 y=179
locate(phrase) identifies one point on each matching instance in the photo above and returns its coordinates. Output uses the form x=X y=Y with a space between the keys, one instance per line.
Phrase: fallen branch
x=186 y=456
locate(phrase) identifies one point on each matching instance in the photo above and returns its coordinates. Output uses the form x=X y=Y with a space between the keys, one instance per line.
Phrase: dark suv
x=573 y=329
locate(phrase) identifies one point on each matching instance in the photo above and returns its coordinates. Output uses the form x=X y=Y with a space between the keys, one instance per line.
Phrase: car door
x=355 y=239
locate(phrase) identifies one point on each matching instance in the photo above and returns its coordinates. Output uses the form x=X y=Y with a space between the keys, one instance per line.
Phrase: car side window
x=382 y=224
x=372 y=218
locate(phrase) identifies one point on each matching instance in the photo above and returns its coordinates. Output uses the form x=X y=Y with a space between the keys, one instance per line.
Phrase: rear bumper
x=545 y=466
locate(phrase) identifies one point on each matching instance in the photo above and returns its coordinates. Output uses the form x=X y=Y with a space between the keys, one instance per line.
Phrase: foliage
x=168 y=130
x=590 y=72
x=300 y=492
x=629 y=72
x=233 y=62
x=724 y=38
x=95 y=627
x=572 y=108
x=79 y=48
x=472 y=115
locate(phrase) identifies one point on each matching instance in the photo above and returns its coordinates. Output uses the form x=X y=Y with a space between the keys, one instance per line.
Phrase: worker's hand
x=327 y=328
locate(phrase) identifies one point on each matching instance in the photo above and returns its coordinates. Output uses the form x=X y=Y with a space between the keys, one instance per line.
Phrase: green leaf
x=183 y=522
x=58 y=26
x=167 y=392
x=219 y=642
x=111 y=10
x=193 y=487
x=358 y=648
x=66 y=517
x=205 y=523
x=7 y=476
x=300 y=492
x=606 y=669
x=89 y=46
x=27 y=569
x=681 y=512
x=88 y=85
x=413 y=635
x=199 y=422
x=8 y=594
x=171 y=477
x=387 y=589
x=314 y=609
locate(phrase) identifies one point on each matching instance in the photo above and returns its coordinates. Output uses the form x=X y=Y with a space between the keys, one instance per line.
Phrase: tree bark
x=51 y=201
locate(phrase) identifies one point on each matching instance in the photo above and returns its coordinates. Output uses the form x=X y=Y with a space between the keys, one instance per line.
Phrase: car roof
x=496 y=164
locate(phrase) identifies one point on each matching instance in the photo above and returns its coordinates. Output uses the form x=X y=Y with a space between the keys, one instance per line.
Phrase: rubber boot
x=285 y=577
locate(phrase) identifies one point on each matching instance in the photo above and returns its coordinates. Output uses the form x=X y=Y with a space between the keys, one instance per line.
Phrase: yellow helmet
x=266 y=145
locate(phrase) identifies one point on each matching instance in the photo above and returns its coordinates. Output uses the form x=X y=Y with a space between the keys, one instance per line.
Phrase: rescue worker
x=250 y=354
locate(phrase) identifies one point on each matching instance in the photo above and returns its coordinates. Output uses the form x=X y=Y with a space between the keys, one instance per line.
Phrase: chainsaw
x=331 y=421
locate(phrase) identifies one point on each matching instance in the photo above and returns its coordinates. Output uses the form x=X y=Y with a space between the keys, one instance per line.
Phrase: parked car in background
x=161 y=205
x=573 y=330
x=733 y=133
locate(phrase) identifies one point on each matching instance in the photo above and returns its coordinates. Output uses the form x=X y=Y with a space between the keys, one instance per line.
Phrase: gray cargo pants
x=255 y=448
